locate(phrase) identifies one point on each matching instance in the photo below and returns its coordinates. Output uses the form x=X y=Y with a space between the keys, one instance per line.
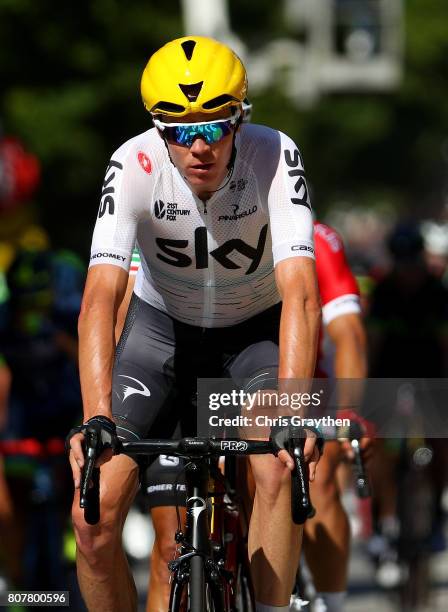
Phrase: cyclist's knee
x=165 y=526
x=272 y=478
x=95 y=542
x=325 y=494
x=164 y=552
x=324 y=488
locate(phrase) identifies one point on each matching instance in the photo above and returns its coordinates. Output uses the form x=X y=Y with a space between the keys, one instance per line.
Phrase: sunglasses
x=184 y=134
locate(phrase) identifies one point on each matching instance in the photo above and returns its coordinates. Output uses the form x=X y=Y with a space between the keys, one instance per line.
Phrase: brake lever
x=361 y=480
x=301 y=506
x=89 y=496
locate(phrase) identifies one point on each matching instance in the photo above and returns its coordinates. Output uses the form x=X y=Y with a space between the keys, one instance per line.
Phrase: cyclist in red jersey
x=341 y=354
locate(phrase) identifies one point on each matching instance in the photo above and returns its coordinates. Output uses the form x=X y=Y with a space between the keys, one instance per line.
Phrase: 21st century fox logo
x=169 y=211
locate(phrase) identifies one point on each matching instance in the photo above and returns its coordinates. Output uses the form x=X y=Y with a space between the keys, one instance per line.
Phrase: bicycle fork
x=195 y=563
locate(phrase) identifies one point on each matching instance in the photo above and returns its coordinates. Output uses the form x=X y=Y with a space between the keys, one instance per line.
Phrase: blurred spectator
x=39 y=345
x=435 y=239
x=19 y=173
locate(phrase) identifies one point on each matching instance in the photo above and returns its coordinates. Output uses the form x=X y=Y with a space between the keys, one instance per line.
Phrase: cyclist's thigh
x=256 y=366
x=143 y=371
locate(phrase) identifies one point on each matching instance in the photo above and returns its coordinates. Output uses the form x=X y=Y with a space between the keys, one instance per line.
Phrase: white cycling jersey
x=206 y=264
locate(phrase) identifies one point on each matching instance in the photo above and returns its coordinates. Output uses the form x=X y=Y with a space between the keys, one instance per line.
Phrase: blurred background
x=360 y=85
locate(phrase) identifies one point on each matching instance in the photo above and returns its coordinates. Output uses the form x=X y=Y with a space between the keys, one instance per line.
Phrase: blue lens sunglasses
x=184 y=134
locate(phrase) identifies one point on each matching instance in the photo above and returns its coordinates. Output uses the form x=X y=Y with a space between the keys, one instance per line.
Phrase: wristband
x=280 y=435
x=105 y=428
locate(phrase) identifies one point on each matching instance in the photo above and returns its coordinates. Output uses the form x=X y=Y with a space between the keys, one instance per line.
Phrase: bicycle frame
x=196 y=554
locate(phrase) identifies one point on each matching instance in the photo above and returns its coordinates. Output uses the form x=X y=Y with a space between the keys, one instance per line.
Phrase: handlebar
x=361 y=481
x=196 y=448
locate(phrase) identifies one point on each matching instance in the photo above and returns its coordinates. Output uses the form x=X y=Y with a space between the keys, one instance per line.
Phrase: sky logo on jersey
x=108 y=204
x=144 y=162
x=128 y=390
x=294 y=161
x=174 y=256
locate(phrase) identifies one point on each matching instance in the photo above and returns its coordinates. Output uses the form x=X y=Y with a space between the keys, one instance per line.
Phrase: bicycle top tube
x=197 y=447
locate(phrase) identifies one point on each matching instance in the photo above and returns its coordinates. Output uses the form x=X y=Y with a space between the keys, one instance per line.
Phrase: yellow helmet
x=193 y=74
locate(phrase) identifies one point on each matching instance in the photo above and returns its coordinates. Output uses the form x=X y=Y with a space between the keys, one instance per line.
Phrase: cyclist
x=408 y=338
x=223 y=222
x=342 y=353
x=343 y=356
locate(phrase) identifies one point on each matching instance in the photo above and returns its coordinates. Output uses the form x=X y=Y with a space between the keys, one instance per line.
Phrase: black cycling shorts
x=159 y=359
x=164 y=482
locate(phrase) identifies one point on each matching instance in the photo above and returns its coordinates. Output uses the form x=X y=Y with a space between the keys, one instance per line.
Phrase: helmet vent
x=219 y=101
x=191 y=92
x=188 y=47
x=168 y=107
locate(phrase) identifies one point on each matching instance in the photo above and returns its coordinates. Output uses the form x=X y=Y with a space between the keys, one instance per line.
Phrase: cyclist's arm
x=340 y=304
x=299 y=331
x=349 y=338
x=103 y=294
x=122 y=205
x=300 y=318
x=291 y=226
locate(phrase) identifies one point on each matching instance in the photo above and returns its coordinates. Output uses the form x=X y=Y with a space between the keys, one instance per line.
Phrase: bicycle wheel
x=416 y=512
x=196 y=585
x=213 y=601
x=177 y=590
x=244 y=596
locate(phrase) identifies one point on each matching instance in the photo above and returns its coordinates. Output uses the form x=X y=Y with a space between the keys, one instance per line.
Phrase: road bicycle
x=211 y=573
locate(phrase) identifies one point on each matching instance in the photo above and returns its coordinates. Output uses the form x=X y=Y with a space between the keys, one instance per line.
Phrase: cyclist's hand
x=366 y=434
x=311 y=452
x=107 y=444
x=76 y=457
x=366 y=445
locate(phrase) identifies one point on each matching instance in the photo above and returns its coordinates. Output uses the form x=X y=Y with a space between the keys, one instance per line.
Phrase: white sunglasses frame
x=160 y=125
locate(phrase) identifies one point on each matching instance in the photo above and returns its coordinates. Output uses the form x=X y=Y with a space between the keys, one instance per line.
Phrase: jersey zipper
x=208 y=275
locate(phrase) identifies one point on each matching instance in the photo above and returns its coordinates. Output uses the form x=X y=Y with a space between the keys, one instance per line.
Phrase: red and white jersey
x=338 y=288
